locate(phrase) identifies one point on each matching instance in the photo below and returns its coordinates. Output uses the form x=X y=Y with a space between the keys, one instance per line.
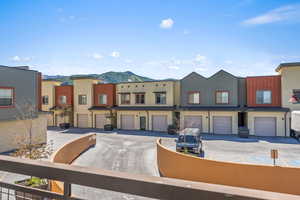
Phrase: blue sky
x=157 y=38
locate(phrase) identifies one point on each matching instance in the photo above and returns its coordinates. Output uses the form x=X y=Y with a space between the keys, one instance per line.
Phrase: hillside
x=108 y=77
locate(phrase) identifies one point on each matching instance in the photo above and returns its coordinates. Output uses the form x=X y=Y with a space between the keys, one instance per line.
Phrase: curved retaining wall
x=276 y=179
x=68 y=153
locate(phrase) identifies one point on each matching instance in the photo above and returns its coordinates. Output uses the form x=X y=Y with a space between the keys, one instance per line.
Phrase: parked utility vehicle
x=189 y=140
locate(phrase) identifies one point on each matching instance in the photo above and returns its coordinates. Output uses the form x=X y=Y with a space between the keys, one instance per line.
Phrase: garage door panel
x=265 y=126
x=222 y=124
x=160 y=123
x=100 y=121
x=127 y=122
x=82 y=120
x=193 y=122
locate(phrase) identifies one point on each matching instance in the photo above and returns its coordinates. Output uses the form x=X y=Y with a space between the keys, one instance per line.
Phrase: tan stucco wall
x=280 y=122
x=83 y=87
x=147 y=114
x=12 y=133
x=50 y=119
x=48 y=89
x=149 y=88
x=262 y=177
x=232 y=114
x=204 y=115
x=290 y=79
x=177 y=93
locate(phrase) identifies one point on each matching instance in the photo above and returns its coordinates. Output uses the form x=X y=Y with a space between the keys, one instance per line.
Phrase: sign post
x=274 y=155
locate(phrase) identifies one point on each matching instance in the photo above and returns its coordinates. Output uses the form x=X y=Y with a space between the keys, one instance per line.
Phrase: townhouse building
x=215 y=104
x=147 y=105
x=20 y=106
x=266 y=116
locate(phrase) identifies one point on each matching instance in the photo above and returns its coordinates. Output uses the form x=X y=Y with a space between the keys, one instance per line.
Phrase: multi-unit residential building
x=214 y=104
x=219 y=104
x=20 y=106
x=147 y=105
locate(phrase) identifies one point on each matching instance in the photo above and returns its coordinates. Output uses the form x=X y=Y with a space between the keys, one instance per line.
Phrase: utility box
x=243 y=132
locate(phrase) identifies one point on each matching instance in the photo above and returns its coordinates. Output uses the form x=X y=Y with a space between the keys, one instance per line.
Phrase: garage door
x=265 y=126
x=58 y=119
x=100 y=121
x=159 y=123
x=82 y=120
x=222 y=125
x=127 y=122
x=193 y=122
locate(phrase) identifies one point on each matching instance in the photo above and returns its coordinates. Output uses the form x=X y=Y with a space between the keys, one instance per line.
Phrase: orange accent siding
x=109 y=90
x=64 y=90
x=272 y=83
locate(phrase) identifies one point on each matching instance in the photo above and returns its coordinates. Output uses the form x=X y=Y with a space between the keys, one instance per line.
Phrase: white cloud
x=115 y=54
x=201 y=69
x=173 y=67
x=228 y=62
x=96 y=56
x=167 y=23
x=284 y=13
x=21 y=59
x=128 y=61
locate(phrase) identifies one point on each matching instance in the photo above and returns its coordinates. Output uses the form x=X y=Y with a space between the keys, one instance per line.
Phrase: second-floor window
x=125 y=98
x=6 y=96
x=45 y=100
x=102 y=99
x=222 y=97
x=194 y=98
x=160 y=98
x=140 y=98
x=82 y=99
x=263 y=97
x=62 y=99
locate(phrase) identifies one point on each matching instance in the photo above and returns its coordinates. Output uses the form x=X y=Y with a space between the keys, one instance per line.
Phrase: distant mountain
x=108 y=77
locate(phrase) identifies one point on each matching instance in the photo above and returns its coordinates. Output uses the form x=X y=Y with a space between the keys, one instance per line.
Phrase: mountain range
x=107 y=77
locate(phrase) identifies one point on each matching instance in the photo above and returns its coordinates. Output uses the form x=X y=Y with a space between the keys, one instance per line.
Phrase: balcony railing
x=146 y=186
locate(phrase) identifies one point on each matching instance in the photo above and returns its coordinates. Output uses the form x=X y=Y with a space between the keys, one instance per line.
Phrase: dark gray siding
x=24 y=83
x=208 y=87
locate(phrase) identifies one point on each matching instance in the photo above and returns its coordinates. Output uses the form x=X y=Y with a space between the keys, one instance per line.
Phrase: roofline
x=291 y=64
x=207 y=78
x=18 y=68
x=154 y=81
x=52 y=80
x=263 y=76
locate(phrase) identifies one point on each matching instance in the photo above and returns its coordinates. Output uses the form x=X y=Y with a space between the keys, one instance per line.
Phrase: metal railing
x=146 y=186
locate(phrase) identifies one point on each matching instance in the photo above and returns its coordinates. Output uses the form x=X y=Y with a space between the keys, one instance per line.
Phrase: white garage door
x=222 y=125
x=265 y=126
x=127 y=122
x=100 y=121
x=193 y=122
x=82 y=120
x=159 y=123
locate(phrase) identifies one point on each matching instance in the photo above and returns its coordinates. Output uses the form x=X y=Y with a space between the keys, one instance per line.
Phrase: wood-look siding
x=272 y=83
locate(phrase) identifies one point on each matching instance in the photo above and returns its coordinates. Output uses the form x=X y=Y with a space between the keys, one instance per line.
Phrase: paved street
x=135 y=152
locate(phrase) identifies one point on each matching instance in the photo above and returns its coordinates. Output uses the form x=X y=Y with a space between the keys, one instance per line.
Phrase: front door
x=143 y=123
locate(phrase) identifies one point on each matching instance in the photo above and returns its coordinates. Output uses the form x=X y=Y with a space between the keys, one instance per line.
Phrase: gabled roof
x=211 y=77
x=293 y=64
x=24 y=68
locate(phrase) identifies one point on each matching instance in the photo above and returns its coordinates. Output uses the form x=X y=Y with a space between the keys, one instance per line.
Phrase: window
x=6 y=96
x=82 y=99
x=45 y=100
x=62 y=99
x=140 y=98
x=160 y=98
x=296 y=95
x=194 y=98
x=263 y=97
x=102 y=99
x=222 y=97
x=125 y=98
